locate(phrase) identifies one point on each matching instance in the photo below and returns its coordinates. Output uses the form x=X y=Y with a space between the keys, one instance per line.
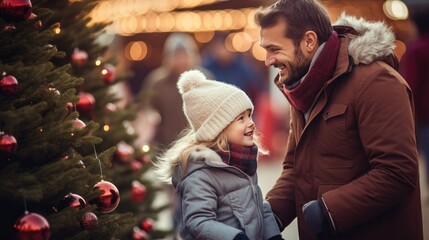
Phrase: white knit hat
x=209 y=105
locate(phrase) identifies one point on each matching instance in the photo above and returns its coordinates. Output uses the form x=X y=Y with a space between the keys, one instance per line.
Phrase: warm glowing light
x=253 y=33
x=141 y=7
x=136 y=20
x=250 y=13
x=258 y=52
x=167 y=22
x=97 y=62
x=195 y=21
x=121 y=9
x=239 y=19
x=104 y=11
x=395 y=9
x=227 y=20
x=150 y=22
x=217 y=20
x=132 y=24
x=145 y=148
x=136 y=51
x=228 y=42
x=241 y=41
x=207 y=20
x=203 y=37
x=57 y=28
x=106 y=128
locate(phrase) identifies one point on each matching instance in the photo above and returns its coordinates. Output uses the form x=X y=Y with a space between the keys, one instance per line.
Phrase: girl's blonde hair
x=179 y=150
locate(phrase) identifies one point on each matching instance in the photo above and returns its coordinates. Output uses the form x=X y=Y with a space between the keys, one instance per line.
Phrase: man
x=351 y=168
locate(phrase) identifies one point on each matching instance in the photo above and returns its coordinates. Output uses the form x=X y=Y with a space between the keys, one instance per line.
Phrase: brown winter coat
x=357 y=150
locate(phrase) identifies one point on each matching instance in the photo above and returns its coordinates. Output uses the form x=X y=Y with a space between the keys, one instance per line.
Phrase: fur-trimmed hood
x=374 y=40
x=200 y=157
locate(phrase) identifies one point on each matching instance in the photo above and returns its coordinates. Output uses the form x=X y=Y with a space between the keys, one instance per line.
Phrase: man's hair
x=300 y=16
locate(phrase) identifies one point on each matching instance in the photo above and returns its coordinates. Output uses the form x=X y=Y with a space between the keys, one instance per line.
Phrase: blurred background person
x=414 y=67
x=180 y=53
x=233 y=67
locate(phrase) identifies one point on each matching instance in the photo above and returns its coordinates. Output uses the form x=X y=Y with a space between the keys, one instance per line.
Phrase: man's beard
x=298 y=68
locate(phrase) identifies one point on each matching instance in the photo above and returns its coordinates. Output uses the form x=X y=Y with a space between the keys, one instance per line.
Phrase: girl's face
x=241 y=130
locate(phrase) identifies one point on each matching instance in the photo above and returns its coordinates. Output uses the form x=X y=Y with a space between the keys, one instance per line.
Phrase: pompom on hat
x=209 y=105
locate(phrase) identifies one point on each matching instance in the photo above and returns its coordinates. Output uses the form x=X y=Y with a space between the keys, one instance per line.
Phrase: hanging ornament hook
x=99 y=162
x=25 y=205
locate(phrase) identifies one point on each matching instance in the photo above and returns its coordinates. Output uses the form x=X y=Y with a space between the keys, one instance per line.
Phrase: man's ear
x=309 y=42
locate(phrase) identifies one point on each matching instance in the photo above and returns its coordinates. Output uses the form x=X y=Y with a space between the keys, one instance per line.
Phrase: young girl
x=213 y=165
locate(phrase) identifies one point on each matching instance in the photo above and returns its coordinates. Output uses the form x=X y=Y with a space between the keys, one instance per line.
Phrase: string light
x=98 y=62
x=145 y=148
x=57 y=28
x=183 y=21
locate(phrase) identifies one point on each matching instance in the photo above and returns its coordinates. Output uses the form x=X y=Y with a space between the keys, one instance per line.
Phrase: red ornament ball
x=8 y=143
x=139 y=234
x=138 y=191
x=89 y=221
x=15 y=10
x=79 y=57
x=72 y=200
x=109 y=199
x=124 y=151
x=136 y=165
x=144 y=159
x=9 y=27
x=111 y=107
x=79 y=124
x=86 y=102
x=32 y=226
x=70 y=107
x=8 y=84
x=38 y=23
x=147 y=225
x=108 y=71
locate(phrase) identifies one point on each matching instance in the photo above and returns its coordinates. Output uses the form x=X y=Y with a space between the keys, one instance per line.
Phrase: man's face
x=284 y=54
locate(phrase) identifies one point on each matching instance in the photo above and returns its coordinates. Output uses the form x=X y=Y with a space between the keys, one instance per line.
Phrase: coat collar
x=369 y=41
x=199 y=157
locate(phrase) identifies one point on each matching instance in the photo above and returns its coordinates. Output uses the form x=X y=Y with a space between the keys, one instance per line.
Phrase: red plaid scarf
x=243 y=158
x=303 y=96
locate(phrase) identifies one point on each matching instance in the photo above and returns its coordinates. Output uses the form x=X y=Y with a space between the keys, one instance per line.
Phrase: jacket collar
x=200 y=157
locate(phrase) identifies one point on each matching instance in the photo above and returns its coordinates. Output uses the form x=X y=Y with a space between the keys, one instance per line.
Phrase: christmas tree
x=98 y=102
x=56 y=173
